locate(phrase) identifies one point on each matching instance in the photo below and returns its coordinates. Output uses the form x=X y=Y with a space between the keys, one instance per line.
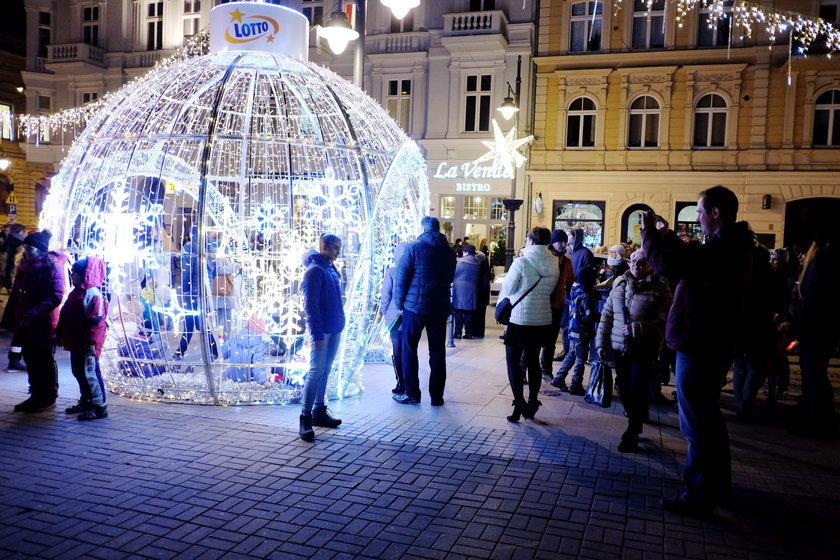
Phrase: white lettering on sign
x=472 y=187
x=469 y=170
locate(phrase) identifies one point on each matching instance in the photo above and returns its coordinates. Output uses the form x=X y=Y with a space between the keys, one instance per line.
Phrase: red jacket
x=82 y=323
x=564 y=284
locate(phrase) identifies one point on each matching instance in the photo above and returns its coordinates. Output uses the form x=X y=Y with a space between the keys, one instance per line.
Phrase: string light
x=804 y=30
x=293 y=151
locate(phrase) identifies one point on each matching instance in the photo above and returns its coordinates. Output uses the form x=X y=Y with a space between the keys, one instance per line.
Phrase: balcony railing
x=475 y=23
x=145 y=59
x=398 y=42
x=75 y=52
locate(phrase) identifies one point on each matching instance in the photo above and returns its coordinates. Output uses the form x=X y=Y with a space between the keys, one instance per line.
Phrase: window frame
x=600 y=204
x=625 y=219
x=582 y=114
x=644 y=114
x=588 y=20
x=90 y=24
x=710 y=111
x=44 y=33
x=480 y=94
x=313 y=10
x=648 y=16
x=399 y=99
x=6 y=128
x=720 y=38
x=154 y=25
x=833 y=126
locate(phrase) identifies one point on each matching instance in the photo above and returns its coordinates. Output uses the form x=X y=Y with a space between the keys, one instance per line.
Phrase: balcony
x=475 y=23
x=75 y=52
x=417 y=41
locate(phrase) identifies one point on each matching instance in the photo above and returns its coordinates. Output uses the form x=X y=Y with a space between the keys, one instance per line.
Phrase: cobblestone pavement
x=394 y=481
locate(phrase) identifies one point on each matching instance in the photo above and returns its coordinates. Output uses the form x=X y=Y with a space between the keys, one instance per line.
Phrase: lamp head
x=508 y=108
x=338 y=32
x=400 y=8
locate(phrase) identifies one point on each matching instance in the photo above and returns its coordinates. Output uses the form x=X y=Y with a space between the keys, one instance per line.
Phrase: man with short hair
x=557 y=247
x=703 y=326
x=424 y=277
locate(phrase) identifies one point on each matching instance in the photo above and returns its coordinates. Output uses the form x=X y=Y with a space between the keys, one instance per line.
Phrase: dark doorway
x=631 y=224
x=804 y=218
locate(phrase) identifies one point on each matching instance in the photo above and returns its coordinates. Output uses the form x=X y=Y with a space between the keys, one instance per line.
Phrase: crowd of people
x=700 y=310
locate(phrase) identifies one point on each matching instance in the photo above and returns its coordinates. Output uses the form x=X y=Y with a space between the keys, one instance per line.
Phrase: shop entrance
x=804 y=218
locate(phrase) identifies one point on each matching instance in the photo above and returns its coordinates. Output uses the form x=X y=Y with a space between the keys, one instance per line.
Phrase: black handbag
x=504 y=307
x=600 y=387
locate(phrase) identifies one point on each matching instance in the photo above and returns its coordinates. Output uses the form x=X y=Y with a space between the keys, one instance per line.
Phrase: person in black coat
x=482 y=295
x=424 y=277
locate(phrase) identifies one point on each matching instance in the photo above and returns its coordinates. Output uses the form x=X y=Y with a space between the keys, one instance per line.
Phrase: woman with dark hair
x=33 y=308
x=530 y=281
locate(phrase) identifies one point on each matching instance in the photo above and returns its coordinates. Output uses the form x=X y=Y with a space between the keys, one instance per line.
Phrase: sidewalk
x=459 y=481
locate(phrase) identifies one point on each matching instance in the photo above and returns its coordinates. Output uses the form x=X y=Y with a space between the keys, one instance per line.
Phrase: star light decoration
x=504 y=151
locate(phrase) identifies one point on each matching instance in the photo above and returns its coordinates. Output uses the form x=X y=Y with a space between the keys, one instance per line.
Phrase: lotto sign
x=239 y=26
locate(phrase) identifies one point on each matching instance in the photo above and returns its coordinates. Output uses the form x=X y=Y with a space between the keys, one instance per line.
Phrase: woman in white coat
x=530 y=320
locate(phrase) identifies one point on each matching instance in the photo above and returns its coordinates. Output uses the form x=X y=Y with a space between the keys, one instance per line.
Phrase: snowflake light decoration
x=223 y=170
x=504 y=151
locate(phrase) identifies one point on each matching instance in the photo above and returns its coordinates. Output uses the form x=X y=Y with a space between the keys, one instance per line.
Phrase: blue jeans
x=320 y=363
x=708 y=470
x=412 y=328
x=575 y=359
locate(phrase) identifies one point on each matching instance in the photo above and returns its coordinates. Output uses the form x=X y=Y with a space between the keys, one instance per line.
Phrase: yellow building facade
x=635 y=110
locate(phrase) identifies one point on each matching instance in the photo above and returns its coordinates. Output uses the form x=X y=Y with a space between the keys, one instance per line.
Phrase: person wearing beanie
x=81 y=330
x=559 y=313
x=33 y=308
x=615 y=267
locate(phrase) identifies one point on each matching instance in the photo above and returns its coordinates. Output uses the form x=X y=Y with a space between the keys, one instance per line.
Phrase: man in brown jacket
x=559 y=239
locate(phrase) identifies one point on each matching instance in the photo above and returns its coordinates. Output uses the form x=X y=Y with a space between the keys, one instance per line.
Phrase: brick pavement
x=179 y=481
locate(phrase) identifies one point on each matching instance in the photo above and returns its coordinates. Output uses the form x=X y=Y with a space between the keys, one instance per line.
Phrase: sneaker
x=94 y=413
x=16 y=366
x=559 y=382
x=405 y=399
x=79 y=407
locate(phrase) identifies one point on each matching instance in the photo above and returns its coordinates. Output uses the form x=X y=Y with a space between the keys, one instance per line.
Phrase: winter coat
x=424 y=275
x=190 y=287
x=647 y=301
x=246 y=347
x=817 y=323
x=708 y=310
x=35 y=299
x=584 y=313
x=482 y=294
x=535 y=308
x=83 y=318
x=322 y=297
x=387 y=302
x=149 y=348
x=580 y=255
x=564 y=283
x=608 y=274
x=466 y=283
x=13 y=243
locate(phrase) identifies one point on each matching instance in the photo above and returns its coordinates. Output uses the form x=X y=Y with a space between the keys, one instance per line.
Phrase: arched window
x=644 y=123
x=826 y=113
x=585 y=21
x=687 y=226
x=631 y=223
x=585 y=214
x=580 y=123
x=710 y=122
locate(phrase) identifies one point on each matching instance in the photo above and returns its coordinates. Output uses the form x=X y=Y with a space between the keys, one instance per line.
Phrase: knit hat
x=559 y=236
x=619 y=249
x=79 y=267
x=39 y=240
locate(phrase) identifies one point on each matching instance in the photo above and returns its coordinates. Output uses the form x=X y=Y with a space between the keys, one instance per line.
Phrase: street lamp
x=4 y=161
x=338 y=33
x=509 y=106
x=511 y=205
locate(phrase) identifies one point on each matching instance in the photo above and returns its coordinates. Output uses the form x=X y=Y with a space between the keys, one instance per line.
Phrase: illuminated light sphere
x=256 y=154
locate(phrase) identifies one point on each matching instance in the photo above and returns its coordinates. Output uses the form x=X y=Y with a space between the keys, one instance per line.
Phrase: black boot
x=519 y=407
x=306 y=431
x=79 y=407
x=321 y=417
x=630 y=439
x=531 y=409
x=94 y=412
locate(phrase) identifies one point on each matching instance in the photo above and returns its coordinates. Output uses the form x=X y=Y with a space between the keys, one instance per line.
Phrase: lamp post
x=511 y=205
x=338 y=32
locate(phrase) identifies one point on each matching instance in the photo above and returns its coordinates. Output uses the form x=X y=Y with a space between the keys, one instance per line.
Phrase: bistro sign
x=469 y=170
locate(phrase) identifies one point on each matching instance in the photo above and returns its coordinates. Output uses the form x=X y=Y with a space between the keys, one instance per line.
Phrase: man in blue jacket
x=325 y=316
x=424 y=276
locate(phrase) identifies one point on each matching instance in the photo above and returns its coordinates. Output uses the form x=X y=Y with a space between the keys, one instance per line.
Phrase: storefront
x=467 y=197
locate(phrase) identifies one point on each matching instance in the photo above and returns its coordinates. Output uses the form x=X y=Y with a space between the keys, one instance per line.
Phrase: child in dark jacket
x=582 y=329
x=81 y=330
